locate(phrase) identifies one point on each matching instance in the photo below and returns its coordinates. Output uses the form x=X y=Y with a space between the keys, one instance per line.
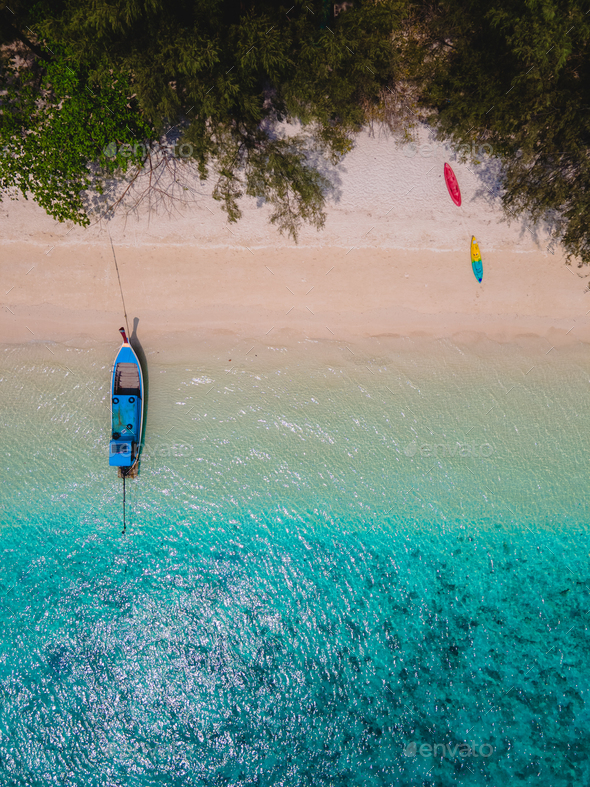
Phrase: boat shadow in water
x=137 y=347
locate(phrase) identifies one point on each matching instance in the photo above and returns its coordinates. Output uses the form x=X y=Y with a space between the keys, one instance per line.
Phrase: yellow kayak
x=476 y=262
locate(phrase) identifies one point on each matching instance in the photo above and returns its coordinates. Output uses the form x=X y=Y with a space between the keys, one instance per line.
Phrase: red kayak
x=452 y=185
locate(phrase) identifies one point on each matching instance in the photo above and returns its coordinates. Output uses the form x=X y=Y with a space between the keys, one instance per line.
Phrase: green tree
x=227 y=73
x=54 y=127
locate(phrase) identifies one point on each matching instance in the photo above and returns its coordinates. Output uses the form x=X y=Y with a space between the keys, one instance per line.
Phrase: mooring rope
x=120 y=287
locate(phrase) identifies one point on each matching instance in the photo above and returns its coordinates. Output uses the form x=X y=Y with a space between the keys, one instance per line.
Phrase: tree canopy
x=54 y=126
x=226 y=73
x=85 y=81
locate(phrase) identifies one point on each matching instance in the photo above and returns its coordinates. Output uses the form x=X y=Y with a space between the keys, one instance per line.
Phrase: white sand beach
x=392 y=260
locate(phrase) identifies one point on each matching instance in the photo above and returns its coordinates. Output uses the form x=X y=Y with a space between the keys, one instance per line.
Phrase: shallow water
x=331 y=565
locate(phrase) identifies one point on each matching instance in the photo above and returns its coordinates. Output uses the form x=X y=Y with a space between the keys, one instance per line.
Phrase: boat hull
x=126 y=409
x=476 y=261
x=452 y=185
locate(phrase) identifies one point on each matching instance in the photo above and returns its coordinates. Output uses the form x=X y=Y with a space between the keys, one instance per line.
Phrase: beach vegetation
x=265 y=95
x=55 y=123
x=264 y=99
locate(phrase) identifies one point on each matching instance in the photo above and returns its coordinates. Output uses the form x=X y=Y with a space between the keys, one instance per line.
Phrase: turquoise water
x=332 y=564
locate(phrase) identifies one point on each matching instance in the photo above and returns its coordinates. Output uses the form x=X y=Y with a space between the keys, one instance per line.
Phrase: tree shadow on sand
x=489 y=172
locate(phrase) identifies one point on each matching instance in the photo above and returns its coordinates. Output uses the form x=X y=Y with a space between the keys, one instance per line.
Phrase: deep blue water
x=305 y=595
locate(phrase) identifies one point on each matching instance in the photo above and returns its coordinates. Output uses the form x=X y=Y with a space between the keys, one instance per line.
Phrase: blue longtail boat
x=126 y=410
